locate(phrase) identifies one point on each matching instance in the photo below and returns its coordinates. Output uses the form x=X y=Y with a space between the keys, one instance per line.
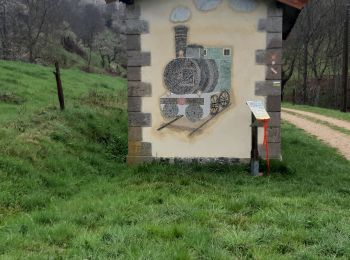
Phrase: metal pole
x=346 y=60
x=254 y=162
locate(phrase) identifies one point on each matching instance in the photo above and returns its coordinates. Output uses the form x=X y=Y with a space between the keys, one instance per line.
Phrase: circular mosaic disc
x=170 y=111
x=182 y=76
x=194 y=113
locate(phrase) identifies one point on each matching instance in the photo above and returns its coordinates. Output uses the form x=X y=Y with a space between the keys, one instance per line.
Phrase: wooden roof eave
x=298 y=4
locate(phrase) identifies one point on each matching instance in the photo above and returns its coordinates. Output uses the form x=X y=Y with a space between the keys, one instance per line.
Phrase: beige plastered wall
x=229 y=135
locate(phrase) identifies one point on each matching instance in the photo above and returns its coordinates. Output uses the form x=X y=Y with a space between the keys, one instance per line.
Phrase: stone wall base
x=132 y=160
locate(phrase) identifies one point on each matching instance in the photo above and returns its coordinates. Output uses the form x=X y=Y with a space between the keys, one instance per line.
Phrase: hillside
x=42 y=146
x=28 y=89
x=65 y=192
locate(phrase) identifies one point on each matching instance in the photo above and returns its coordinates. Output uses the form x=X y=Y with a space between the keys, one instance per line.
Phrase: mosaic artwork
x=198 y=80
x=243 y=5
x=170 y=110
x=180 y=14
x=237 y=5
x=207 y=5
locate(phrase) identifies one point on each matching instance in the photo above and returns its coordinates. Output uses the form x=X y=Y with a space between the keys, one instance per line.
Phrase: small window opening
x=227 y=52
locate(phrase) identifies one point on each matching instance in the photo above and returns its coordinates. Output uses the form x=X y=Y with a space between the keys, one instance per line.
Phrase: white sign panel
x=258 y=109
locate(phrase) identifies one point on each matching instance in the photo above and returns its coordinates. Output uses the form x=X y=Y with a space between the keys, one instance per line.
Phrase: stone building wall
x=250 y=38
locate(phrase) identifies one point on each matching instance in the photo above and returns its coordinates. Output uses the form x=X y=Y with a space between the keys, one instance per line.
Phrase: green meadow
x=66 y=192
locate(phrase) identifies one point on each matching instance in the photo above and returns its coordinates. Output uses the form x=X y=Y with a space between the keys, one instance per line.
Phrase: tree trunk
x=89 y=60
x=318 y=92
x=305 y=73
x=346 y=61
x=5 y=45
x=31 y=55
x=103 y=61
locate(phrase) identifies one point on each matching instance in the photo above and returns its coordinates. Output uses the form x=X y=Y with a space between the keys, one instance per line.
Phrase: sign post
x=259 y=113
x=254 y=154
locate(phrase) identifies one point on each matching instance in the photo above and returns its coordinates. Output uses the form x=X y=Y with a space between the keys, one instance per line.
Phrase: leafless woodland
x=44 y=31
x=34 y=31
x=313 y=55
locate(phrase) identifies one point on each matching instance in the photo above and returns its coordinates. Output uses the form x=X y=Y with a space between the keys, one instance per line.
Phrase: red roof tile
x=295 y=3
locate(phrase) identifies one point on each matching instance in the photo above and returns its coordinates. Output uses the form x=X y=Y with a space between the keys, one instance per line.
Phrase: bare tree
x=45 y=31
x=3 y=29
x=315 y=47
x=91 y=23
x=7 y=21
x=31 y=21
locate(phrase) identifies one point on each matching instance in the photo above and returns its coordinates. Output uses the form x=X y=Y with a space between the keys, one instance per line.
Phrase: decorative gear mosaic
x=194 y=113
x=170 y=111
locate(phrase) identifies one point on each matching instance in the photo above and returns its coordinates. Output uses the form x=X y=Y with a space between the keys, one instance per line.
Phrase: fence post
x=59 y=85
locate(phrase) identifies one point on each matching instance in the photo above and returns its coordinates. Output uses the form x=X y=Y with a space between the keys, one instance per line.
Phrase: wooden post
x=254 y=162
x=346 y=60
x=59 y=85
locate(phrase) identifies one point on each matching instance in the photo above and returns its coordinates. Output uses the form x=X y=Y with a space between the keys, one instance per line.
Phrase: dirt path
x=332 y=137
x=333 y=121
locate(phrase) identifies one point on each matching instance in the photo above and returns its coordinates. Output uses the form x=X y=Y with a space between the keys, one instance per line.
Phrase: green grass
x=35 y=88
x=318 y=110
x=71 y=60
x=65 y=191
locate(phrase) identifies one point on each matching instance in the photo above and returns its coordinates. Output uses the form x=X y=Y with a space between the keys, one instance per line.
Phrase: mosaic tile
x=243 y=5
x=207 y=5
x=180 y=14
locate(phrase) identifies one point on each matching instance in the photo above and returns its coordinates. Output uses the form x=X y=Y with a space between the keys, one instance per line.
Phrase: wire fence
x=326 y=92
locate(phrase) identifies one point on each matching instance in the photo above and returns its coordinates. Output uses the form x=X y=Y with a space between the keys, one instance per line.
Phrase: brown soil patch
x=333 y=121
x=332 y=137
x=11 y=98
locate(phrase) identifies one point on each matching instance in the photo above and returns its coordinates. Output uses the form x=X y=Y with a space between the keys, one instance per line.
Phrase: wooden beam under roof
x=128 y=2
x=299 y=4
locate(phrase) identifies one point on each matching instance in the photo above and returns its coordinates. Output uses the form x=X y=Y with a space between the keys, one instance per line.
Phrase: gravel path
x=333 y=121
x=332 y=137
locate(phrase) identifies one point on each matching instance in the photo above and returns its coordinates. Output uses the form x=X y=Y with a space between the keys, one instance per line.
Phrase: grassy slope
x=72 y=60
x=319 y=110
x=65 y=193
x=36 y=85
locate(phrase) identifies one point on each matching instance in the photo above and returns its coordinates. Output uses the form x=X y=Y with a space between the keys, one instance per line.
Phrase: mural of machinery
x=198 y=80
